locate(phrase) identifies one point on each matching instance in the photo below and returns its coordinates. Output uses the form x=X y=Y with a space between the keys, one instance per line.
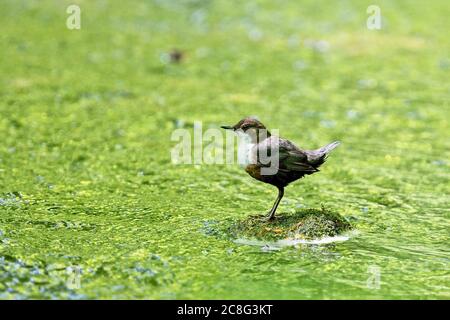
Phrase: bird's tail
x=318 y=157
x=329 y=147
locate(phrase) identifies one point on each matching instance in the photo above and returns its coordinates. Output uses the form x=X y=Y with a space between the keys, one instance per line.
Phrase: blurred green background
x=86 y=117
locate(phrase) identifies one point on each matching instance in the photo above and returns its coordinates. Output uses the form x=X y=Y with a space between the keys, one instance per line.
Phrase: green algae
x=87 y=183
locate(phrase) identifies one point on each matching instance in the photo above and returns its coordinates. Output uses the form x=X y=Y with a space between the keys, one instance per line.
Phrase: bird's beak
x=227 y=127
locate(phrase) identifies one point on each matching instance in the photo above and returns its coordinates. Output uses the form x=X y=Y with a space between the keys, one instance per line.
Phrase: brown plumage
x=293 y=163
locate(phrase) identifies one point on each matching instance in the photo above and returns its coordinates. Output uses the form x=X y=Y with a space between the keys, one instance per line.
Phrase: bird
x=176 y=55
x=293 y=162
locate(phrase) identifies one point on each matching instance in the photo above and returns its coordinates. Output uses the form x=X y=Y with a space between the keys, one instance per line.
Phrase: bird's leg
x=271 y=215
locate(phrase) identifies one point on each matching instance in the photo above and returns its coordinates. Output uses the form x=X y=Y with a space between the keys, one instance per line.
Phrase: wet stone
x=303 y=224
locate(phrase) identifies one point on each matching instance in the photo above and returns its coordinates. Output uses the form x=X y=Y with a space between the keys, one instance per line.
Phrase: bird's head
x=249 y=126
x=246 y=124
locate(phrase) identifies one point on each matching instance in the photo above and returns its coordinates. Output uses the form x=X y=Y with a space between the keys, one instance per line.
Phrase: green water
x=92 y=207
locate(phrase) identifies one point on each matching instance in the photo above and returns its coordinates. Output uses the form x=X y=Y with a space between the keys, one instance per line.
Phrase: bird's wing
x=290 y=157
x=295 y=161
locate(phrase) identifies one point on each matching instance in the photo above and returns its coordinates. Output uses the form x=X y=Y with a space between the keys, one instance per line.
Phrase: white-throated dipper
x=293 y=162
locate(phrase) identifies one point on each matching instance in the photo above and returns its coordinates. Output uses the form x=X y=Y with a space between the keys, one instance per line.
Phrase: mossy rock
x=303 y=224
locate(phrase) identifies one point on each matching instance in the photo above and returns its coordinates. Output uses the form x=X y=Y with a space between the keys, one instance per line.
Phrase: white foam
x=277 y=245
x=293 y=242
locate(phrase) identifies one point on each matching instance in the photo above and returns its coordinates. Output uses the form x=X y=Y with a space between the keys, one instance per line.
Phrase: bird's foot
x=263 y=218
x=268 y=218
